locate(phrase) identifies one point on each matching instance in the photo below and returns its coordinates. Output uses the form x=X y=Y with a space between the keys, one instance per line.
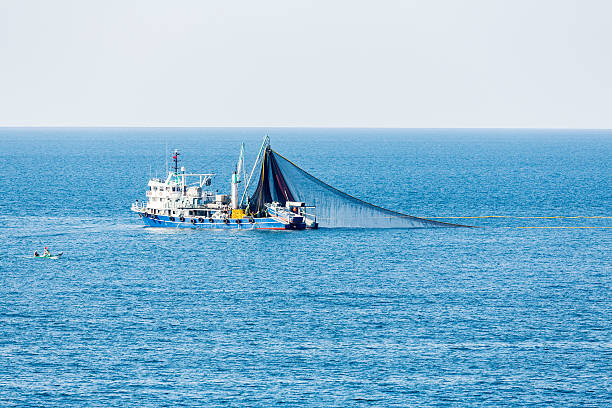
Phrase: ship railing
x=138 y=206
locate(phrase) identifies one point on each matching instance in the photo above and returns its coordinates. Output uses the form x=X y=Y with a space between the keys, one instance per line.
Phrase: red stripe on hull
x=271 y=228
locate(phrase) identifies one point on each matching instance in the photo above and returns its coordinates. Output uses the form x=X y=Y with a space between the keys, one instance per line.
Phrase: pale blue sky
x=428 y=63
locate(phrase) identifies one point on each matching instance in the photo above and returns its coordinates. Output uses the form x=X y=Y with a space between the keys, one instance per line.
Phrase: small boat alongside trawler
x=285 y=198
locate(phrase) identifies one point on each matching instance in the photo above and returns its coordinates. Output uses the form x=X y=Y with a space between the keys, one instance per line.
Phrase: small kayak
x=56 y=256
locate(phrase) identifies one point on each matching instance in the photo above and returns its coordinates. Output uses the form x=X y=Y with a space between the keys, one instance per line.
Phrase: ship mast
x=264 y=144
x=175 y=158
x=236 y=178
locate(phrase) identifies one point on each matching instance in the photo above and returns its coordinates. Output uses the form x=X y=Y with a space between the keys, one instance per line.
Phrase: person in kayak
x=36 y=254
x=46 y=253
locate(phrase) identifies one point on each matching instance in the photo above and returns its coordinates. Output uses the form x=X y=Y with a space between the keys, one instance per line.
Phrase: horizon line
x=303 y=127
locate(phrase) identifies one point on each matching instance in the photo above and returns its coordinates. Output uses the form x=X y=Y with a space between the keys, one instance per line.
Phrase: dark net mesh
x=280 y=181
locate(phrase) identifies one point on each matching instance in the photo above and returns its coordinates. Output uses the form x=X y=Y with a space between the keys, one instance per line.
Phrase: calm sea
x=517 y=313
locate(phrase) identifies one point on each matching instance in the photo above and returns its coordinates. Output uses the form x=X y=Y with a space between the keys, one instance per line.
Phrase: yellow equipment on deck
x=238 y=214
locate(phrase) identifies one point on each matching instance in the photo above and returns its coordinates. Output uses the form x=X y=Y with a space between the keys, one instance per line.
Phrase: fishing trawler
x=278 y=202
x=182 y=200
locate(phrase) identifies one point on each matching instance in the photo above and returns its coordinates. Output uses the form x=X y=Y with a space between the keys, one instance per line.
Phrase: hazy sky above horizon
x=436 y=63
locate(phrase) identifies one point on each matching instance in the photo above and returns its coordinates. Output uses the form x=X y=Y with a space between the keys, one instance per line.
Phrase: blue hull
x=193 y=223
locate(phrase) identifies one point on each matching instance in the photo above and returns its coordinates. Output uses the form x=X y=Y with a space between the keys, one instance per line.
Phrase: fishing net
x=280 y=181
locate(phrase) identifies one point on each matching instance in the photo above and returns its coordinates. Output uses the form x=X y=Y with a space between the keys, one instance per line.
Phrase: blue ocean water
x=516 y=313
